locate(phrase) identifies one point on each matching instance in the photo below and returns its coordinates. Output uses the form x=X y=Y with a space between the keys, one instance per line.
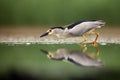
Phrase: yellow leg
x=94 y=43
x=97 y=50
x=94 y=54
x=83 y=45
x=84 y=48
x=84 y=40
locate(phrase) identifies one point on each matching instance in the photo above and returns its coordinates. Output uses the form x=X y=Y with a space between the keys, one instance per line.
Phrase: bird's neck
x=62 y=33
x=66 y=30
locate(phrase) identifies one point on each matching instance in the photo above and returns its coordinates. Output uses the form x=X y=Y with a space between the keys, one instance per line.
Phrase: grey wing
x=74 y=24
x=82 y=59
x=83 y=27
x=73 y=61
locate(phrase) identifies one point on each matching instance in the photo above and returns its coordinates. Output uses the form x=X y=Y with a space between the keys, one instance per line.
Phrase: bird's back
x=83 y=59
x=80 y=28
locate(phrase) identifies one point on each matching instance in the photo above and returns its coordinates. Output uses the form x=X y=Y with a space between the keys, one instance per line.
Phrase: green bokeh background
x=49 y=12
x=21 y=60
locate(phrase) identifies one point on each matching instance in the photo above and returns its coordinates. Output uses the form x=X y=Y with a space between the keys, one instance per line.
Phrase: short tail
x=100 y=23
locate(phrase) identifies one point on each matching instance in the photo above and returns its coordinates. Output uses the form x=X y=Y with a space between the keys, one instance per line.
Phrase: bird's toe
x=94 y=44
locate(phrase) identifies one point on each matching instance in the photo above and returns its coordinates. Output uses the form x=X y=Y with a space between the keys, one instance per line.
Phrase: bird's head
x=53 y=30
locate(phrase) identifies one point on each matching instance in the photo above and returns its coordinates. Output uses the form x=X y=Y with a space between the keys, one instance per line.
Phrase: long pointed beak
x=45 y=34
x=44 y=51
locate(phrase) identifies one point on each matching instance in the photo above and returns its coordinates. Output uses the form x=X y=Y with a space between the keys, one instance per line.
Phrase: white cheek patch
x=50 y=55
x=51 y=32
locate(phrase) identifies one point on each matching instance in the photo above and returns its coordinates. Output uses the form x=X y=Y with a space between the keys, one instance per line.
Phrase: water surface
x=27 y=60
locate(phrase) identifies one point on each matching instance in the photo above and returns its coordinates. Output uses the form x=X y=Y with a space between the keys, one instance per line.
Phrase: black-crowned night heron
x=80 y=28
x=74 y=56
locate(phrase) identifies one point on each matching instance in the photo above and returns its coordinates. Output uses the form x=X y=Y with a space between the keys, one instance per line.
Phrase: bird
x=80 y=28
x=76 y=57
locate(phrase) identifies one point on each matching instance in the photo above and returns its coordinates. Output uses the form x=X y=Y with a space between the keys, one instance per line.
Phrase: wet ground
x=21 y=35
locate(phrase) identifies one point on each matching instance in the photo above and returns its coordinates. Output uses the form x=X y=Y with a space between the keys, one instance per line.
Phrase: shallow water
x=29 y=62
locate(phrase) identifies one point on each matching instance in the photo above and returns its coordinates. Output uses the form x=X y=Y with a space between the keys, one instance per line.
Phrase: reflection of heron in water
x=73 y=56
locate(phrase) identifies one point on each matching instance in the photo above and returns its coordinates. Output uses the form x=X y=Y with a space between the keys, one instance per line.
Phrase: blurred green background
x=55 y=12
x=27 y=61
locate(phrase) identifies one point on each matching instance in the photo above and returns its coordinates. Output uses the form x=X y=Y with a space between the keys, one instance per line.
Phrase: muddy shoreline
x=22 y=35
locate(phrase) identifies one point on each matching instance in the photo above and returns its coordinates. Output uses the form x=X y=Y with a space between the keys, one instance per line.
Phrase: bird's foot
x=94 y=44
x=81 y=44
